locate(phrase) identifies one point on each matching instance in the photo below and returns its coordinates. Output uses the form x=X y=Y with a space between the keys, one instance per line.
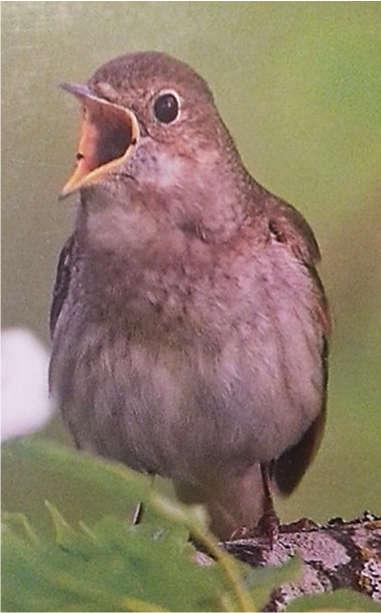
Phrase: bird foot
x=242 y=532
x=268 y=526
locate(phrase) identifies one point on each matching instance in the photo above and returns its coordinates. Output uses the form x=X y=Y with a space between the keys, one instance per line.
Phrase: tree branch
x=336 y=555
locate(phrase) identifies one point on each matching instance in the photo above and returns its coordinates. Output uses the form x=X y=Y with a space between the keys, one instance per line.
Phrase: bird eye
x=166 y=108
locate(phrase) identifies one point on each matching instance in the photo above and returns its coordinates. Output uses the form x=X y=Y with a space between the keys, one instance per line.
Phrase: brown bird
x=189 y=323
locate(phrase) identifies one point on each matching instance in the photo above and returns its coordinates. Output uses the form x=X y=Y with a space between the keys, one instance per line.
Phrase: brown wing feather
x=289 y=468
x=63 y=276
x=289 y=227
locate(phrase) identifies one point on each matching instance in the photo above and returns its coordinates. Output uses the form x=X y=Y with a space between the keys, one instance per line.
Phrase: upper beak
x=109 y=134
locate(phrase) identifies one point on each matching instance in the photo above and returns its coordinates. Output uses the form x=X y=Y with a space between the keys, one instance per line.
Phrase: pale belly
x=188 y=413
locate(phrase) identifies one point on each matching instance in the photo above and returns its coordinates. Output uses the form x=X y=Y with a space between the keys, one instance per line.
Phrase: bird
x=189 y=324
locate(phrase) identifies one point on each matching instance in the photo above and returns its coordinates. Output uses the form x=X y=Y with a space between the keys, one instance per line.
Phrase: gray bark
x=336 y=555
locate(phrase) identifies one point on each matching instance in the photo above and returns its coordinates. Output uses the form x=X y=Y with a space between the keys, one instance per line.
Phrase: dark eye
x=166 y=108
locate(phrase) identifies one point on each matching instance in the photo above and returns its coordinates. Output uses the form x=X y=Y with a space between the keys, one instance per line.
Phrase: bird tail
x=233 y=501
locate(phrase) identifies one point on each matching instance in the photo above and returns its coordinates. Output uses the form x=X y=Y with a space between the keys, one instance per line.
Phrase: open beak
x=109 y=134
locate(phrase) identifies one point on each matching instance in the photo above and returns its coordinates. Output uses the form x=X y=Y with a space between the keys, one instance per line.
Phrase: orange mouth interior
x=108 y=134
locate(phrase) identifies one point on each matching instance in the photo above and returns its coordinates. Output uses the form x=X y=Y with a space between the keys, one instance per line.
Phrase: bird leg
x=269 y=523
x=139 y=511
x=138 y=514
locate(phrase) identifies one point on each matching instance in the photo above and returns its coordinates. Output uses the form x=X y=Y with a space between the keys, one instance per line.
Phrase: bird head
x=145 y=115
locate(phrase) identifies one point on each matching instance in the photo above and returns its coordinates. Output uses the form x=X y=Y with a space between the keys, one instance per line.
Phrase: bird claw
x=242 y=532
x=268 y=526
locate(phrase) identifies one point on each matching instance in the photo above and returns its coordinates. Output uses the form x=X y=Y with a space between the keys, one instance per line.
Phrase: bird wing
x=289 y=468
x=63 y=276
x=288 y=226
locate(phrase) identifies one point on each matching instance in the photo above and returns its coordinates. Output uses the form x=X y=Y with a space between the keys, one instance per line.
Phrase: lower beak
x=109 y=134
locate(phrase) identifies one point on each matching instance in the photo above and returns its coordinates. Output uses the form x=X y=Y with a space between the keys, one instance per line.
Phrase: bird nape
x=189 y=323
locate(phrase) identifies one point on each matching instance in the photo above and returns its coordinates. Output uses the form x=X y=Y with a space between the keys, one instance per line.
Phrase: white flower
x=26 y=405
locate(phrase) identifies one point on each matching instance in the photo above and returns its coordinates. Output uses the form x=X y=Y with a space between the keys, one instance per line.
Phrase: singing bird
x=189 y=323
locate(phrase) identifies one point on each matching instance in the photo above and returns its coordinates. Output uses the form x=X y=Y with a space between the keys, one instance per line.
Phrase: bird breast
x=220 y=370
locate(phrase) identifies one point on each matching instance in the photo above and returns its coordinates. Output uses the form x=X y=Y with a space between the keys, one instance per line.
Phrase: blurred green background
x=298 y=84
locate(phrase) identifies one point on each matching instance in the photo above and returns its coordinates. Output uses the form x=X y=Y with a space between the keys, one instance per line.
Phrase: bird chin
x=109 y=135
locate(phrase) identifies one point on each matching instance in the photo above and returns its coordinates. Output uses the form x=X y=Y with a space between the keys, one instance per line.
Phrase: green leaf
x=20 y=522
x=118 y=568
x=81 y=486
x=340 y=600
x=112 y=565
x=64 y=533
